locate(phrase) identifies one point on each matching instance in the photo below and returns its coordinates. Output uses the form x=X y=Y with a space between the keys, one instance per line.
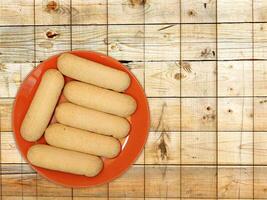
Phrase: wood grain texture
x=126 y=11
x=235 y=114
x=198 y=11
x=51 y=41
x=11 y=76
x=198 y=79
x=122 y=187
x=162 y=79
x=198 y=147
x=163 y=148
x=6 y=106
x=239 y=11
x=198 y=182
x=52 y=12
x=162 y=181
x=260 y=10
x=92 y=38
x=260 y=149
x=198 y=41
x=17 y=44
x=235 y=78
x=260 y=113
x=235 y=182
x=260 y=41
x=126 y=42
x=165 y=114
x=16 y=12
x=260 y=78
x=198 y=114
x=162 y=42
x=234 y=41
x=158 y=12
x=235 y=148
x=89 y=12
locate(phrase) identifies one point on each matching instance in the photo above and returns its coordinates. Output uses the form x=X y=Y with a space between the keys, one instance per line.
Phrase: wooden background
x=203 y=65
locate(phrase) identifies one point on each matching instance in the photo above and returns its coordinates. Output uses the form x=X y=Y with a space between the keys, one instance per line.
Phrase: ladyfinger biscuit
x=42 y=105
x=63 y=160
x=99 y=99
x=91 y=72
x=92 y=120
x=66 y=137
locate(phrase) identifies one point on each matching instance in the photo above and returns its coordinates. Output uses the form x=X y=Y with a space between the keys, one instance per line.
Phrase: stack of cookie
x=89 y=125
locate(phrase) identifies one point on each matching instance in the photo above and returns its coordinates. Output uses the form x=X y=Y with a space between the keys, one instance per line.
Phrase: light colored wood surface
x=202 y=64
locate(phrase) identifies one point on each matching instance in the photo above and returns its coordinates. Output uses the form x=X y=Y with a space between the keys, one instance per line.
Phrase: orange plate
x=132 y=146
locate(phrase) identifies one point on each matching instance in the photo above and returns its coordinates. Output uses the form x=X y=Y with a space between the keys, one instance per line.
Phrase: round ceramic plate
x=131 y=146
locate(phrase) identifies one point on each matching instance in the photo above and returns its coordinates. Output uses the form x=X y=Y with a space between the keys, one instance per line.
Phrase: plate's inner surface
x=203 y=66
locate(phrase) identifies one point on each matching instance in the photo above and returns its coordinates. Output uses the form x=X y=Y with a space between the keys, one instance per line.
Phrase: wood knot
x=207 y=52
x=52 y=34
x=52 y=6
x=208 y=108
x=263 y=101
x=191 y=13
x=179 y=76
x=230 y=110
x=137 y=2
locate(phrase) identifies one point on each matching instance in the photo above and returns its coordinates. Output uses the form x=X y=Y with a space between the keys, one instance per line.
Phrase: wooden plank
x=198 y=114
x=260 y=148
x=138 y=69
x=235 y=78
x=91 y=38
x=49 y=189
x=96 y=191
x=162 y=79
x=260 y=40
x=16 y=168
x=198 y=182
x=9 y=151
x=198 y=11
x=130 y=184
x=198 y=79
x=17 y=44
x=6 y=106
x=126 y=11
x=235 y=148
x=19 y=185
x=11 y=76
x=89 y=12
x=235 y=114
x=162 y=42
x=126 y=42
x=198 y=148
x=260 y=113
x=162 y=148
x=16 y=12
x=36 y=197
x=234 y=41
x=237 y=11
x=162 y=181
x=260 y=182
x=198 y=41
x=165 y=114
x=157 y=11
x=51 y=41
x=235 y=182
x=260 y=10
x=260 y=78
x=90 y=198
x=52 y=12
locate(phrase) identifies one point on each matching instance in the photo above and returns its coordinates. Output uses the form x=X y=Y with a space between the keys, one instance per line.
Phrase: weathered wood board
x=203 y=66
